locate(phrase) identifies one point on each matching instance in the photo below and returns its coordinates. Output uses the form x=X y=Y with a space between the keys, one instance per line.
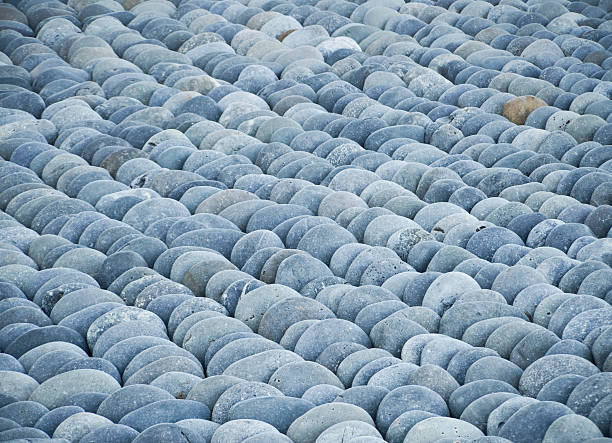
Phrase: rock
x=165 y=411
x=431 y=428
x=280 y=412
x=309 y=426
x=407 y=398
x=56 y=390
x=518 y=109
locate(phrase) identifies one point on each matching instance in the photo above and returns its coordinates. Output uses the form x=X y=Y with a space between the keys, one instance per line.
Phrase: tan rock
x=518 y=109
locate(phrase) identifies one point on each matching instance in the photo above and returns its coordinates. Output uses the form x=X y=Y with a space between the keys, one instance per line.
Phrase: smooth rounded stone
x=366 y=397
x=240 y=430
x=335 y=353
x=321 y=394
x=110 y=433
x=393 y=376
x=415 y=288
x=88 y=261
x=431 y=428
x=236 y=393
x=299 y=269
x=465 y=395
x=312 y=288
x=589 y=393
x=478 y=411
x=582 y=324
x=40 y=336
x=403 y=241
x=44 y=244
x=498 y=417
x=532 y=421
x=332 y=205
x=230 y=297
x=486 y=242
x=236 y=350
x=494 y=367
x=351 y=429
x=313 y=423
x=326 y=332
x=117 y=316
x=176 y=383
x=573 y=279
x=208 y=390
x=155 y=354
x=549 y=367
x=584 y=127
x=78 y=425
x=10 y=363
x=288 y=311
x=402 y=424
x=25 y=413
x=570 y=308
x=533 y=346
x=572 y=347
x=24 y=314
x=445 y=289
x=89 y=401
x=168 y=411
x=408 y=398
x=294 y=332
x=356 y=299
x=143 y=214
x=253 y=305
x=123 y=330
x=570 y=428
x=199 y=337
x=364 y=268
x=196 y=429
x=293 y=379
x=228 y=339
x=360 y=222
x=271 y=216
x=19 y=434
x=280 y=412
x=598 y=220
x=472 y=266
x=188 y=257
x=559 y=388
x=252 y=242
x=65 y=207
x=21 y=387
x=266 y=363
x=164 y=305
x=52 y=419
x=162 y=432
x=601 y=346
x=600 y=414
x=507 y=284
x=56 y=390
x=51 y=363
x=10 y=290
x=322 y=241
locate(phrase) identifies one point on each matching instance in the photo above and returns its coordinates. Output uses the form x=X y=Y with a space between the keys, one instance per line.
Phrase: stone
x=309 y=426
x=518 y=110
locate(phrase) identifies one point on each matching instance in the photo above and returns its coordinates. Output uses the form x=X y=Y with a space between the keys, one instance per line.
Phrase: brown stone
x=518 y=109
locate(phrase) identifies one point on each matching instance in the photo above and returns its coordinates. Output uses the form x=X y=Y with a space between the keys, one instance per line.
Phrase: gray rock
x=280 y=412
x=309 y=426
x=408 y=398
x=165 y=411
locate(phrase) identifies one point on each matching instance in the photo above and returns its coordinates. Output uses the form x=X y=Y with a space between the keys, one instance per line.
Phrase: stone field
x=332 y=221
